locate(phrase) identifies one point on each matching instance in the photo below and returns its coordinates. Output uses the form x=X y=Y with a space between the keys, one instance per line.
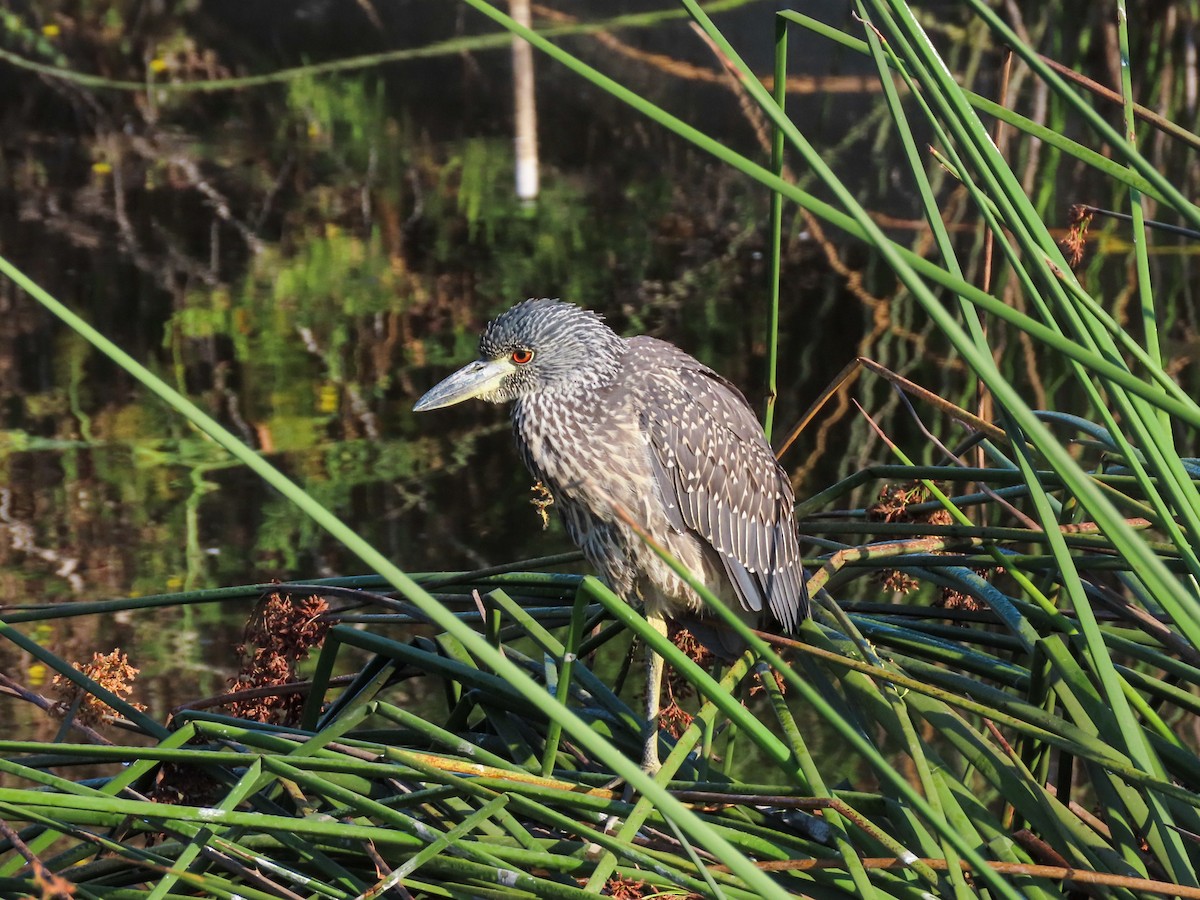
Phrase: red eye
x=521 y=357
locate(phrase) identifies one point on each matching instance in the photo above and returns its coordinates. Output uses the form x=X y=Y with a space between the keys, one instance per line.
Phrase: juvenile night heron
x=635 y=424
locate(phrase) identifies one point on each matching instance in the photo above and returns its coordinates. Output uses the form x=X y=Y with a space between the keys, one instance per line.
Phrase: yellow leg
x=654 y=671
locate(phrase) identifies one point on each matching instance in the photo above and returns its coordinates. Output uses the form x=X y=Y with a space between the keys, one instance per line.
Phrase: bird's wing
x=720 y=480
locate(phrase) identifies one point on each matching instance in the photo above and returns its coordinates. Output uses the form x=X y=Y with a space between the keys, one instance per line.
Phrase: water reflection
x=307 y=258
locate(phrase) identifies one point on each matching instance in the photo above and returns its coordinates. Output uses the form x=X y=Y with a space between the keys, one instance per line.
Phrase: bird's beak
x=477 y=379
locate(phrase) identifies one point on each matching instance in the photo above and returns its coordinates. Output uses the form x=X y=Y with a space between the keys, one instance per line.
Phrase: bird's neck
x=584 y=384
x=569 y=401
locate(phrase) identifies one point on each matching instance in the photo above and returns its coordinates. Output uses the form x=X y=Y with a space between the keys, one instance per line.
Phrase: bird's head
x=539 y=345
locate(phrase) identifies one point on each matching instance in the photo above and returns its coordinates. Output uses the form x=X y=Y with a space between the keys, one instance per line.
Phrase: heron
x=621 y=429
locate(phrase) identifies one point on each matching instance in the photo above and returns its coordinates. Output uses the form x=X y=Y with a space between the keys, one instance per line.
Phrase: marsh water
x=304 y=257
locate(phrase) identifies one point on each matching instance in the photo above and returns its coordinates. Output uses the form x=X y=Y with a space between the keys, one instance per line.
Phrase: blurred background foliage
x=307 y=255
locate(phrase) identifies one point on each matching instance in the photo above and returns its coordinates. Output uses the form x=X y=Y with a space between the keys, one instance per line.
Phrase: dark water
x=305 y=258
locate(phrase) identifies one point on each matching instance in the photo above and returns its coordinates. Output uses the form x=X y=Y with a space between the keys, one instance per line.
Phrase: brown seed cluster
x=893 y=506
x=949 y=598
x=894 y=501
x=673 y=718
x=940 y=516
x=757 y=687
x=952 y=599
x=623 y=888
x=111 y=671
x=693 y=649
x=626 y=888
x=691 y=646
x=898 y=582
x=1079 y=219
x=278 y=637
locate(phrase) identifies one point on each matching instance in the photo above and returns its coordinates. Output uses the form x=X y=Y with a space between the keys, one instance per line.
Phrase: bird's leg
x=654 y=672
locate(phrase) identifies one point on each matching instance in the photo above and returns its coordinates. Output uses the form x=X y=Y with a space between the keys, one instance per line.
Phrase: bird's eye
x=521 y=357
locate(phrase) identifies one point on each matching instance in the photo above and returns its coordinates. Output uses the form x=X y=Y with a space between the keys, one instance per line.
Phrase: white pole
x=526 y=107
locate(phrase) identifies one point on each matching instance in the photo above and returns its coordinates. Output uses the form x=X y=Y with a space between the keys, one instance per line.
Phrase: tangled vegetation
x=998 y=693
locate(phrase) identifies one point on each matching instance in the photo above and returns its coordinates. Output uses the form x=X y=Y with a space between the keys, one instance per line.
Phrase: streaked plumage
x=635 y=423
